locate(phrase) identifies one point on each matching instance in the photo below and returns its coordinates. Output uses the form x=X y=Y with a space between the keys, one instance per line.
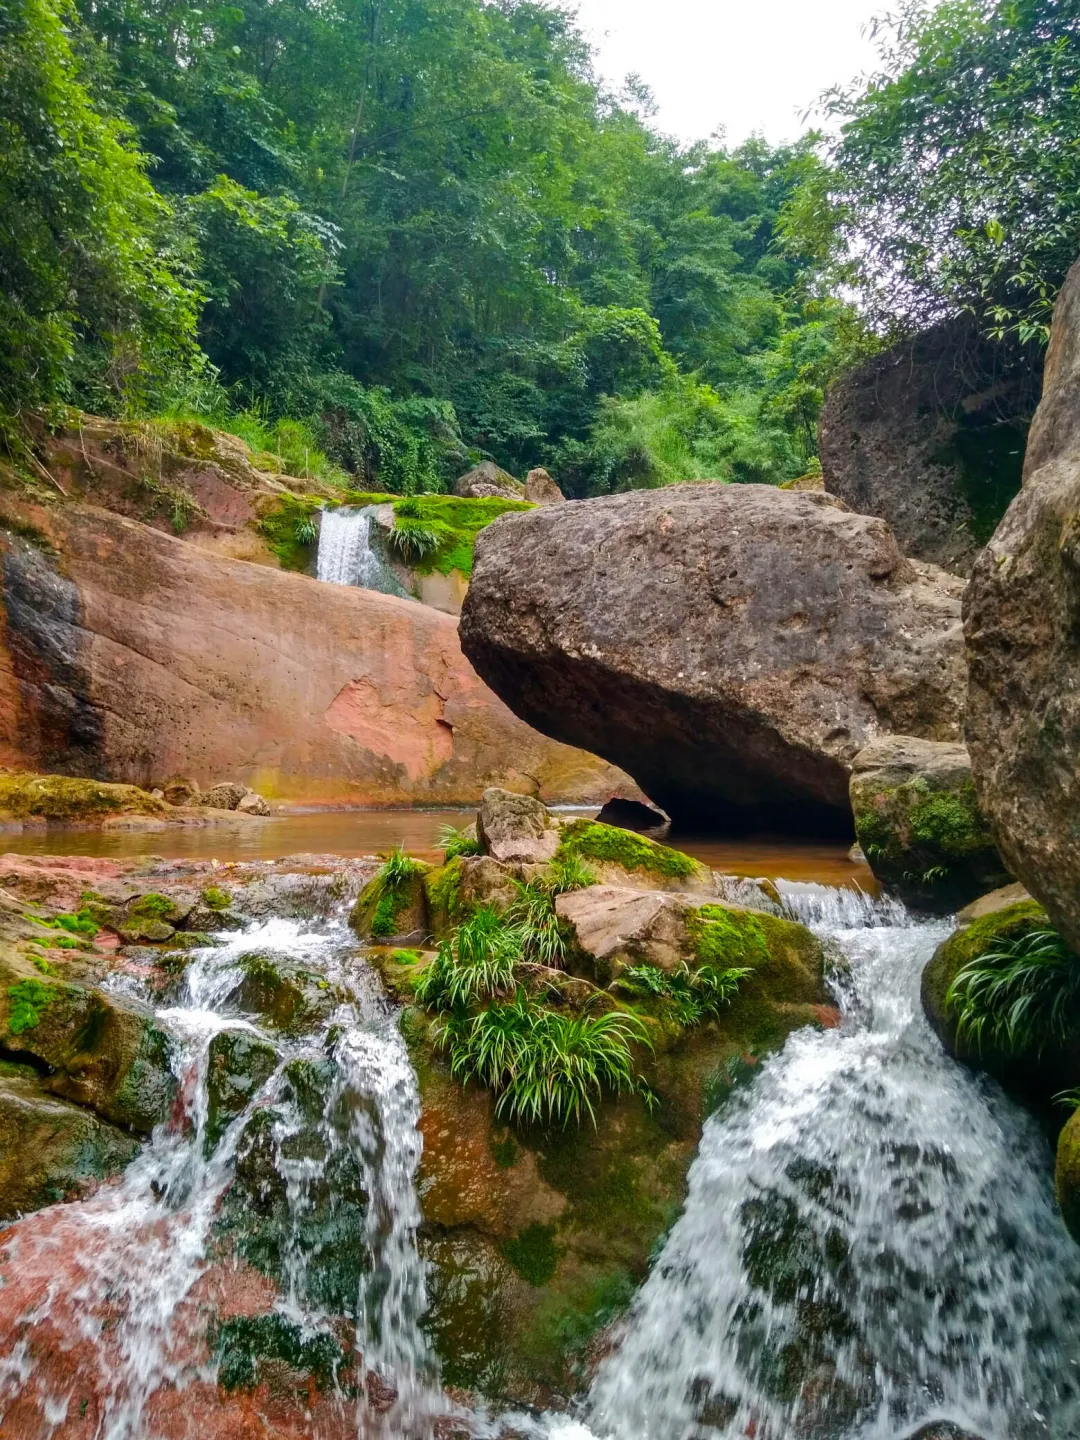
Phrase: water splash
x=346 y=555
x=145 y=1245
x=869 y=1241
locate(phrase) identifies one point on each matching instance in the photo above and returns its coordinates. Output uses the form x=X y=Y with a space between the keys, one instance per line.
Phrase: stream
x=869 y=1239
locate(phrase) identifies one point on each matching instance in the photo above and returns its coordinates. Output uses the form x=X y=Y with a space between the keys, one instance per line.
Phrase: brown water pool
x=368 y=832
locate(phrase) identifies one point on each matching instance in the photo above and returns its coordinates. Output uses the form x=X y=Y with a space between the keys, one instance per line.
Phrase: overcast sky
x=745 y=65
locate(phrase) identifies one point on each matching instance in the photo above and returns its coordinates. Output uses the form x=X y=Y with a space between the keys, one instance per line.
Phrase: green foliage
x=476 y=963
x=991 y=90
x=29 y=1000
x=94 y=305
x=449 y=526
x=79 y=922
x=1019 y=996
x=690 y=996
x=412 y=540
x=398 y=867
x=240 y=1345
x=588 y=840
x=214 y=898
x=289 y=528
x=546 y=1068
x=453 y=842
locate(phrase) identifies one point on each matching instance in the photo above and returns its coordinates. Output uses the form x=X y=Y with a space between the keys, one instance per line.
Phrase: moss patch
x=216 y=899
x=64 y=800
x=242 y=1346
x=289 y=526
x=591 y=841
x=28 y=999
x=533 y=1254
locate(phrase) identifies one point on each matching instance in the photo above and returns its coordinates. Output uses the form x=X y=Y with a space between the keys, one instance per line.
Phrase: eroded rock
x=516 y=828
x=487 y=481
x=733 y=647
x=919 y=823
x=635 y=815
x=541 y=489
x=1022 y=617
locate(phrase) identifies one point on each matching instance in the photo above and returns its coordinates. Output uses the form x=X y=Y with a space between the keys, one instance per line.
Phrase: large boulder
x=919 y=824
x=516 y=827
x=1022 y=619
x=487 y=481
x=131 y=654
x=732 y=647
x=929 y=435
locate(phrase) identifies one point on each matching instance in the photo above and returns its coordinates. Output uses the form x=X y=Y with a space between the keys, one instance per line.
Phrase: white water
x=346 y=555
x=869 y=1240
x=144 y=1244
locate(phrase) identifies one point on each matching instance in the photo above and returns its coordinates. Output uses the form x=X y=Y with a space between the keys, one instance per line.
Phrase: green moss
x=153 y=906
x=724 y=937
x=287 y=524
x=950 y=822
x=505 y=1152
x=391 y=903
x=533 y=1253
x=556 y=1344
x=216 y=899
x=591 y=841
x=443 y=890
x=457 y=522
x=65 y=800
x=242 y=1344
x=29 y=999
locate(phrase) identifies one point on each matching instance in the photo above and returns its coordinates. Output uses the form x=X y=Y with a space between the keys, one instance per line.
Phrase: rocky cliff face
x=732 y=647
x=129 y=654
x=1022 y=619
x=929 y=435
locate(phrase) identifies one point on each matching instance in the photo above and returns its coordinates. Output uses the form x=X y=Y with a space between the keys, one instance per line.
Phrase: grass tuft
x=690 y=996
x=1019 y=995
x=453 y=842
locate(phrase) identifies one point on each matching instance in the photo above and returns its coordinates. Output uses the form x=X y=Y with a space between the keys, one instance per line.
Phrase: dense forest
x=412 y=233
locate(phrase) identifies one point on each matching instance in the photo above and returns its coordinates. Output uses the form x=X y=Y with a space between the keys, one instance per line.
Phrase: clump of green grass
x=453 y=842
x=476 y=963
x=392 y=879
x=547 y=1068
x=1019 y=995
x=690 y=996
x=415 y=540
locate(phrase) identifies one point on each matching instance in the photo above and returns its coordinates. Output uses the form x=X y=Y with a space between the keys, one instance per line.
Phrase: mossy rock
x=51 y=1150
x=238 y=1065
x=256 y=1221
x=623 y=857
x=1067 y=1175
x=250 y=1350
x=66 y=800
x=918 y=822
x=101 y=1051
x=539 y=1239
x=1034 y=1078
x=392 y=914
x=284 y=994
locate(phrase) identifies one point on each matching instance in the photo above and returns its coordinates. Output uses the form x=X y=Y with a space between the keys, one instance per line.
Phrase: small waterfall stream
x=346 y=555
x=869 y=1241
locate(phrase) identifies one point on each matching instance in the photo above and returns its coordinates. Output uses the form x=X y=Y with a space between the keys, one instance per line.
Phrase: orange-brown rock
x=128 y=654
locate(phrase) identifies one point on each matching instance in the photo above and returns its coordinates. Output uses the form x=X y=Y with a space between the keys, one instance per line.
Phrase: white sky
x=746 y=65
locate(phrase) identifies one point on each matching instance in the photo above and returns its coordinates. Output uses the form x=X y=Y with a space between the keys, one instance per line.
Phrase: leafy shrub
x=414 y=540
x=1019 y=995
x=546 y=1068
x=476 y=963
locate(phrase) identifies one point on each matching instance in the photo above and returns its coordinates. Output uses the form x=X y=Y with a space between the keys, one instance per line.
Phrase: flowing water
x=869 y=1240
x=346 y=555
x=146 y=1245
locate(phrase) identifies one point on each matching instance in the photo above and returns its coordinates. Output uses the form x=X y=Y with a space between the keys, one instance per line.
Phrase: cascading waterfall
x=146 y=1244
x=869 y=1241
x=346 y=555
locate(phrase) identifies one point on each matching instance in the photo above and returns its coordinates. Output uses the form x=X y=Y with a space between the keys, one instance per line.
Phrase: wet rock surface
x=1022 y=613
x=769 y=638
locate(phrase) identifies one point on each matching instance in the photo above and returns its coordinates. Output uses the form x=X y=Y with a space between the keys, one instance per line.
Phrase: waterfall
x=869 y=1242
x=147 y=1247
x=346 y=555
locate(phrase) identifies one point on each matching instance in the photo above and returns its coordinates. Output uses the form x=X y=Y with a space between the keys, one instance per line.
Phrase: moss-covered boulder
x=620 y=857
x=279 y=990
x=538 y=1238
x=516 y=828
x=238 y=1065
x=101 y=1051
x=393 y=911
x=68 y=800
x=1035 y=1076
x=919 y=824
x=51 y=1150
